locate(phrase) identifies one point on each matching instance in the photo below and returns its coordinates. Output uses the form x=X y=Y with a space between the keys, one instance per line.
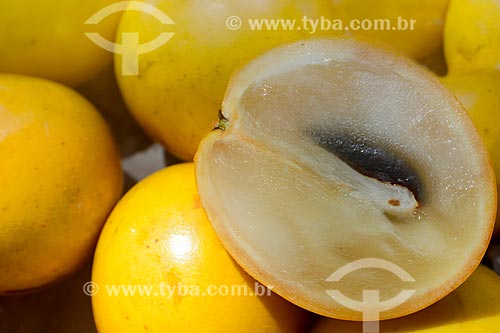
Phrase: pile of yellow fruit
x=301 y=153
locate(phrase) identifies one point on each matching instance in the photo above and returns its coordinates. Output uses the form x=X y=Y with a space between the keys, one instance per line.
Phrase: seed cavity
x=370 y=160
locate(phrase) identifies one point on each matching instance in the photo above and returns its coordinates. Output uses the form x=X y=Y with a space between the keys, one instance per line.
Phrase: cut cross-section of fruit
x=331 y=151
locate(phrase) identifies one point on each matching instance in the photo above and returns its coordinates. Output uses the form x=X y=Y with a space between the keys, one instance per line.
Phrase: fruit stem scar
x=221 y=125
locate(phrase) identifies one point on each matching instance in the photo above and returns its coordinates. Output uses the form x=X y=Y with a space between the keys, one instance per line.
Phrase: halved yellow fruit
x=333 y=152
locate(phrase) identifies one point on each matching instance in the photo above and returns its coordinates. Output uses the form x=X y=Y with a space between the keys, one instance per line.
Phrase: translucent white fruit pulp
x=292 y=213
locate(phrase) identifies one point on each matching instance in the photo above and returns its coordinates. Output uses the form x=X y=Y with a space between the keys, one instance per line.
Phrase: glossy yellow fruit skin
x=159 y=234
x=60 y=176
x=472 y=35
x=473 y=307
x=47 y=39
x=479 y=93
x=429 y=15
x=62 y=308
x=180 y=86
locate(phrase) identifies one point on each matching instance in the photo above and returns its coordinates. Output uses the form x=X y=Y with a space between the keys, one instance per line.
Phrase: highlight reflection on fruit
x=330 y=151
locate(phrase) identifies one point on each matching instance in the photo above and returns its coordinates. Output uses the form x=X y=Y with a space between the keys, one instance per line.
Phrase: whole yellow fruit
x=472 y=35
x=180 y=86
x=60 y=176
x=479 y=93
x=170 y=272
x=473 y=307
x=416 y=26
x=47 y=39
